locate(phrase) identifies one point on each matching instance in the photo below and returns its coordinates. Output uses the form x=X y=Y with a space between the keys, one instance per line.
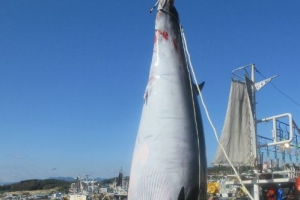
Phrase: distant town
x=66 y=188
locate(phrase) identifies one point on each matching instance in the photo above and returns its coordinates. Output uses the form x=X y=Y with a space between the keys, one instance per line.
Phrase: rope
x=151 y=10
x=206 y=111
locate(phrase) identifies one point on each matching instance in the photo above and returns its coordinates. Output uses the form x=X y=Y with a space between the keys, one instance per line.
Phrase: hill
x=36 y=184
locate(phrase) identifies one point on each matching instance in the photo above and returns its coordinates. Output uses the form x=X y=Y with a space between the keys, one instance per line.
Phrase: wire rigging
x=290 y=98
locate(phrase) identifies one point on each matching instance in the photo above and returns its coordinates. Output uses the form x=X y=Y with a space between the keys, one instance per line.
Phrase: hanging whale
x=169 y=159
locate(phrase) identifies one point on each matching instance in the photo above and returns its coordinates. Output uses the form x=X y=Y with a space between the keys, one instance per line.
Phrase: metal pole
x=254 y=141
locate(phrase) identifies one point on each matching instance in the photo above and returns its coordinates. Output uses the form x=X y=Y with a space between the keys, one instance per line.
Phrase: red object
x=271 y=194
x=297 y=184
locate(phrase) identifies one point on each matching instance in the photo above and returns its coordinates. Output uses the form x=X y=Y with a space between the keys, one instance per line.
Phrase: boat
x=271 y=156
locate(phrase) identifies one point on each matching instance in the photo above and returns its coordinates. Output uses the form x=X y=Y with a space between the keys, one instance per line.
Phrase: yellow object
x=213 y=187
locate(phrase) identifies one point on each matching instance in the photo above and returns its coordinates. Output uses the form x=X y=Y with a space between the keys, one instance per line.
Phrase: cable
x=280 y=90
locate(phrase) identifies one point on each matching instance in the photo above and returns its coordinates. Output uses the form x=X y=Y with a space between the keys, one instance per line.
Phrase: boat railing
x=280 y=150
x=277 y=138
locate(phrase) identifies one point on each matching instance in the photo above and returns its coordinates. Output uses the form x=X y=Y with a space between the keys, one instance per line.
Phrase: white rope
x=151 y=10
x=206 y=111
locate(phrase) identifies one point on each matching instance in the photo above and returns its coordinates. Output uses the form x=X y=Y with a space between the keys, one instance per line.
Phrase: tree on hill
x=36 y=184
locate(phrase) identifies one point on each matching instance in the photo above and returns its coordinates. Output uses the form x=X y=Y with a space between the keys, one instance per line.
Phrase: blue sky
x=73 y=74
